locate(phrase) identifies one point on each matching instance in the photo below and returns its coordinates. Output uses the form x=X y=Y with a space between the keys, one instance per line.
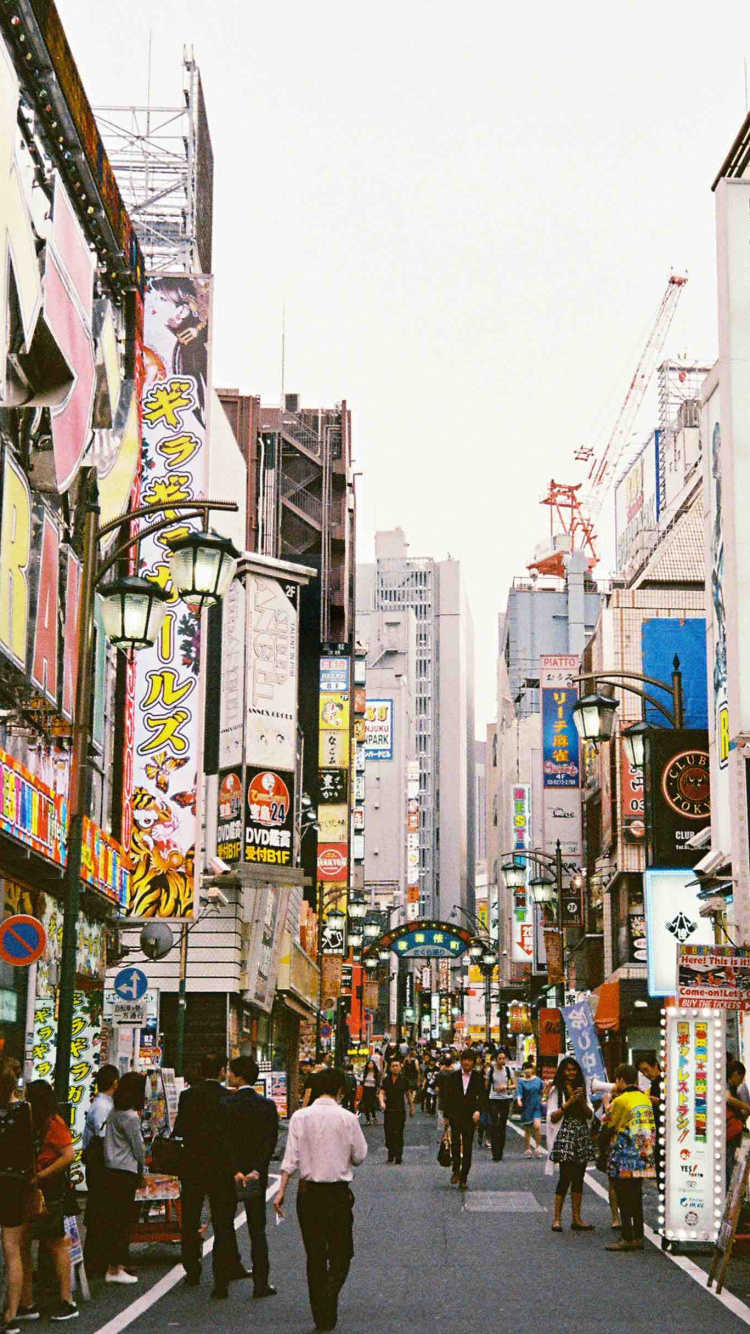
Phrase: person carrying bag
x=54 y=1154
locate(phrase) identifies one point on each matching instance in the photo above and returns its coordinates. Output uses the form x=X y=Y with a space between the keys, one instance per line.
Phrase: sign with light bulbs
x=693 y=1123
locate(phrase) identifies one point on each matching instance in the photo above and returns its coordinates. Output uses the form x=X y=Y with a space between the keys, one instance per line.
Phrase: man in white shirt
x=97 y=1213
x=324 y=1143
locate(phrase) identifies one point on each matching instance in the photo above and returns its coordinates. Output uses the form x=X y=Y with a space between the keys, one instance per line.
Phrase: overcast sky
x=470 y=212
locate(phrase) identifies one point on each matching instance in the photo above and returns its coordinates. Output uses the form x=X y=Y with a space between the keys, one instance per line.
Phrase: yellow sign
x=333 y=824
x=334 y=711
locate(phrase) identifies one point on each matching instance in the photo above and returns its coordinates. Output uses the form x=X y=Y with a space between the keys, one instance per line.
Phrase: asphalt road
x=430 y=1259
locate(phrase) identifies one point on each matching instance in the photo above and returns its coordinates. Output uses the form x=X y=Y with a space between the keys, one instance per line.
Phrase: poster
x=175 y=399
x=269 y=817
x=230 y=823
x=379 y=729
x=716 y=976
x=553 y=947
x=678 y=795
x=85 y=1053
x=561 y=770
x=672 y=919
x=522 y=947
x=694 y=1107
x=632 y=804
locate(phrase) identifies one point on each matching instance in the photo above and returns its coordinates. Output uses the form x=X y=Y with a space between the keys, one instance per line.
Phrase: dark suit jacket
x=460 y=1106
x=254 y=1131
x=203 y=1122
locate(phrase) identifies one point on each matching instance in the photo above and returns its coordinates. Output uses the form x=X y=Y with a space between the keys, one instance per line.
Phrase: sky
x=469 y=213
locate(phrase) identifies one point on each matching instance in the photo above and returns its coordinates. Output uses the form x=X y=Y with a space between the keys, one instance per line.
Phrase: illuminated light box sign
x=379 y=729
x=693 y=1104
x=672 y=919
x=428 y=940
x=717 y=976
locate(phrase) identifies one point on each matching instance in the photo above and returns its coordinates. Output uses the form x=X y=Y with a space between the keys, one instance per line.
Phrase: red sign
x=23 y=940
x=632 y=804
x=332 y=861
x=268 y=799
x=550 y=1033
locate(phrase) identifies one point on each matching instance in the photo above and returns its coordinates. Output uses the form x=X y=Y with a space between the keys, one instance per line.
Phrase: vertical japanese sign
x=177 y=313
x=584 y=1039
x=412 y=841
x=694 y=1112
x=561 y=771
x=334 y=788
x=523 y=926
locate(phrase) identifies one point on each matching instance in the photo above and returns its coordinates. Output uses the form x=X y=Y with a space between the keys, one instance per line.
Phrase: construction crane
x=574 y=510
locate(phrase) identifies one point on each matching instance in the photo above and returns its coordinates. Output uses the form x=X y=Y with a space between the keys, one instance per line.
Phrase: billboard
x=379 y=729
x=177 y=325
x=522 y=926
x=678 y=790
x=694 y=1104
x=661 y=639
x=717 y=976
x=334 y=788
x=672 y=919
x=632 y=803
x=636 y=517
x=561 y=769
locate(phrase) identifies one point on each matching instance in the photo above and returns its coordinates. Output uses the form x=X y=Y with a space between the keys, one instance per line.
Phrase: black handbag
x=168 y=1156
x=444 y=1155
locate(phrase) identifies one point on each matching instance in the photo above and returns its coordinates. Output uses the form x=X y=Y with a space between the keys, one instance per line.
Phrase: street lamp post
x=595 y=713
x=542 y=888
x=133 y=610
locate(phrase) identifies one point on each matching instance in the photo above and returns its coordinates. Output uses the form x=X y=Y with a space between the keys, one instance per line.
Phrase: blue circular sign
x=131 y=984
x=23 y=940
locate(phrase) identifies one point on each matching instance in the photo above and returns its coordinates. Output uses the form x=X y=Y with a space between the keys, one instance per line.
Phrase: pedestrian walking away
x=125 y=1162
x=464 y=1101
x=629 y=1135
x=92 y=1154
x=54 y=1153
x=204 y=1124
x=324 y=1144
x=254 y=1130
x=500 y=1088
x=530 y=1089
x=394 y=1093
x=569 y=1141
x=16 y=1174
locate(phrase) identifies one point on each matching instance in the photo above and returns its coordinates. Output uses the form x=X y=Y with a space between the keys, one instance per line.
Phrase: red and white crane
x=574 y=510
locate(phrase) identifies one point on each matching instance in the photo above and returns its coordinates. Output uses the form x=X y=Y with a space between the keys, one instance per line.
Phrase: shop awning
x=608 y=1010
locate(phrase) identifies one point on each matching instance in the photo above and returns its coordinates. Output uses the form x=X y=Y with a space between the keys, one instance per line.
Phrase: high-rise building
x=435 y=591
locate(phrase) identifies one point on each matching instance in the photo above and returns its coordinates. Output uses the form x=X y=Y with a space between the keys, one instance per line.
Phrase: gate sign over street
x=131 y=984
x=23 y=940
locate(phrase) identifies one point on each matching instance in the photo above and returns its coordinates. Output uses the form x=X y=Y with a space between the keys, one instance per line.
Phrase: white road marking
x=732 y=1303
x=169 y=1281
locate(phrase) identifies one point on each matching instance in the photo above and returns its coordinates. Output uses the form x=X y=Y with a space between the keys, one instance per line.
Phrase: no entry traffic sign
x=23 y=940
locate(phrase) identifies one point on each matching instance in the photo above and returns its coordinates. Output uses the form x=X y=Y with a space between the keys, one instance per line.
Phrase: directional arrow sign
x=23 y=940
x=131 y=984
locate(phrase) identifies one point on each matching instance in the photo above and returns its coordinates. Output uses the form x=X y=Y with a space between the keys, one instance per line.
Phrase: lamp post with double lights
x=202 y=565
x=595 y=713
x=543 y=889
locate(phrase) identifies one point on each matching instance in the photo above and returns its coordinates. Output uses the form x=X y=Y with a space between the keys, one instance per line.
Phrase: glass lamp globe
x=202 y=566
x=594 y=716
x=133 y=611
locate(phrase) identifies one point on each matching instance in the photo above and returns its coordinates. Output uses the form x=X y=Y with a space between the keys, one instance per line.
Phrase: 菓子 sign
x=694 y=1112
x=175 y=400
x=716 y=976
x=379 y=729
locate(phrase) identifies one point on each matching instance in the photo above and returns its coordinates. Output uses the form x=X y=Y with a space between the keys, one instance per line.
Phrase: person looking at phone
x=569 y=1140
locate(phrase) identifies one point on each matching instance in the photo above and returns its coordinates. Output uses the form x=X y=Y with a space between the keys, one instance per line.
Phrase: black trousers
x=499 y=1109
x=462 y=1143
x=629 y=1192
x=95 y=1247
x=222 y=1200
x=121 y=1214
x=570 y=1178
x=255 y=1212
x=326 y=1220
x=394 y=1134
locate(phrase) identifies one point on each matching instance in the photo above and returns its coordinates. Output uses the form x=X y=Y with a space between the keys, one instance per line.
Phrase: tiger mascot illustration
x=161 y=881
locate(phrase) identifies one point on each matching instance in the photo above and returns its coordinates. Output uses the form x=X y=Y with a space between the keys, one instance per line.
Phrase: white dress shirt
x=96 y=1118
x=325 y=1142
x=466 y=1079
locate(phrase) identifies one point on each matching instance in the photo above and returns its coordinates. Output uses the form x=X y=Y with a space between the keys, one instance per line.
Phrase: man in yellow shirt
x=631 y=1136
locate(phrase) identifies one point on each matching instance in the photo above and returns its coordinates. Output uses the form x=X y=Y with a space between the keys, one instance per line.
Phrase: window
x=494 y=810
x=494 y=754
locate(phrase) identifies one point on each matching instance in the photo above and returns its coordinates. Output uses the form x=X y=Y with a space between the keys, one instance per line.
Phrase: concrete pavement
x=431 y=1259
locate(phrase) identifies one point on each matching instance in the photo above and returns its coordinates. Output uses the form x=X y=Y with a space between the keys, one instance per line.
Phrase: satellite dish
x=156 y=940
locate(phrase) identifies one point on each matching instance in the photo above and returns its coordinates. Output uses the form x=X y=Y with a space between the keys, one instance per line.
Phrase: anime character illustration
x=162 y=874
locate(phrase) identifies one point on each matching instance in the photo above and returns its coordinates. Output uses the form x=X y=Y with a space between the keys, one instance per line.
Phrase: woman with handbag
x=54 y=1153
x=125 y=1159
x=16 y=1173
x=569 y=1140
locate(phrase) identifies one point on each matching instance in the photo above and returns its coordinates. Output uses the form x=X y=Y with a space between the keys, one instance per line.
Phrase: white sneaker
x=122 y=1276
x=529 y=1154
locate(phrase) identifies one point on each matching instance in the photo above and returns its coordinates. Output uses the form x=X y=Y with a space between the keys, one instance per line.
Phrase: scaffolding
x=162 y=159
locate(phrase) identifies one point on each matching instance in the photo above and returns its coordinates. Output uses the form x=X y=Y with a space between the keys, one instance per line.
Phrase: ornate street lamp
x=372 y=963
x=336 y=920
x=372 y=929
x=357 y=907
x=634 y=741
x=133 y=611
x=542 y=889
x=595 y=716
x=354 y=934
x=476 y=950
x=515 y=875
x=202 y=566
x=384 y=954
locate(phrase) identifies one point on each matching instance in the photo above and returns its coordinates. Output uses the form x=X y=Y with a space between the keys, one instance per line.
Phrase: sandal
x=582 y=1227
x=557 y=1227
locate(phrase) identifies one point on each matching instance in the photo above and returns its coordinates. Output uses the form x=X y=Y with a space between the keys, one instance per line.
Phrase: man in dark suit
x=255 y=1130
x=464 y=1097
x=203 y=1122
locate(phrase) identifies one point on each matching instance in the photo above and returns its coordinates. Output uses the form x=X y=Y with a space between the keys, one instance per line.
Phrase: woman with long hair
x=16 y=1173
x=569 y=1139
x=54 y=1153
x=125 y=1159
x=370 y=1085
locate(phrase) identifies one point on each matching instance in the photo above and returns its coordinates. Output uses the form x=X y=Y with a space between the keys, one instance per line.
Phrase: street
x=429 y=1259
